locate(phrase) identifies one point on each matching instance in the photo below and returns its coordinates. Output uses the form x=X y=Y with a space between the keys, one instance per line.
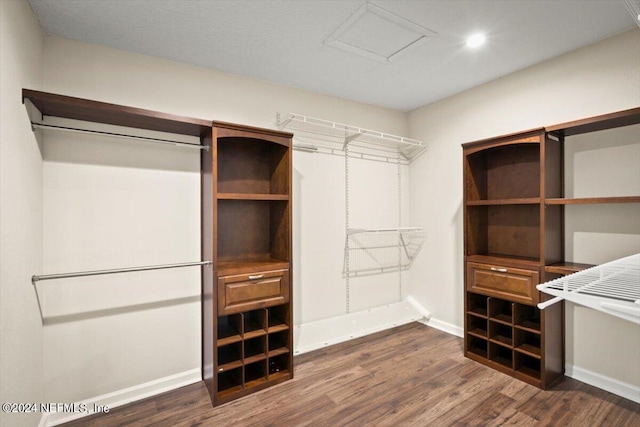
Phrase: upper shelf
x=50 y=104
x=317 y=134
x=602 y=122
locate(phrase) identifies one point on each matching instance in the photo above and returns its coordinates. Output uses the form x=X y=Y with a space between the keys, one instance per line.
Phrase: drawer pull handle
x=499 y=270
x=257 y=276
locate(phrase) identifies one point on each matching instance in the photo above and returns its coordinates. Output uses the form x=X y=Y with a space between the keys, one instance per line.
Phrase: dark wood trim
x=50 y=104
x=552 y=328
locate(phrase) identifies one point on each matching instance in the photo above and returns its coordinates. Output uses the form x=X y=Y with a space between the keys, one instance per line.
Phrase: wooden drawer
x=251 y=291
x=513 y=284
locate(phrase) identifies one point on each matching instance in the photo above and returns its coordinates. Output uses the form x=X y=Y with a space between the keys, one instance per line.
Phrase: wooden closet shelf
x=565 y=268
x=518 y=201
x=278 y=352
x=592 y=200
x=529 y=350
x=50 y=104
x=602 y=122
x=252 y=196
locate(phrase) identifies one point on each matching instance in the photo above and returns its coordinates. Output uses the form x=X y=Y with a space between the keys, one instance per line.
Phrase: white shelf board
x=613 y=288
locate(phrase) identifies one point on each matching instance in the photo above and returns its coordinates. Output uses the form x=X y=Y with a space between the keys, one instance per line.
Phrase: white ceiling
x=283 y=41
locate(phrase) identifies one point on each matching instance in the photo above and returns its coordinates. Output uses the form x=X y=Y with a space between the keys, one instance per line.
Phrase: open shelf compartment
x=252 y=166
x=229 y=329
x=510 y=230
x=253 y=230
x=504 y=172
x=230 y=381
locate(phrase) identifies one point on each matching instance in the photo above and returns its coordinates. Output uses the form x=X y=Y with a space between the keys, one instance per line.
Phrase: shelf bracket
x=552 y=301
x=348 y=139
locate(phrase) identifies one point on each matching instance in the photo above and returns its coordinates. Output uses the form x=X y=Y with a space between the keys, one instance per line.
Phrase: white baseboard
x=449 y=328
x=617 y=387
x=122 y=397
x=315 y=335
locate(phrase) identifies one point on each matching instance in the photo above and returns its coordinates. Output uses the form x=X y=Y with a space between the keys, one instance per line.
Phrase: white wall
x=597 y=79
x=21 y=47
x=115 y=203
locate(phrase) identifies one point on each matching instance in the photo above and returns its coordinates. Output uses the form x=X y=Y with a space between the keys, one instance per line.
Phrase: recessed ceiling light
x=476 y=40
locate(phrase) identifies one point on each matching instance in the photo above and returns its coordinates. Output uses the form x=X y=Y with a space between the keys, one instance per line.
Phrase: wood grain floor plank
x=411 y=375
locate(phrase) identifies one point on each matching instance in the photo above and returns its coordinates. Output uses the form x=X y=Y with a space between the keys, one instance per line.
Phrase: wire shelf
x=382 y=250
x=613 y=288
x=320 y=135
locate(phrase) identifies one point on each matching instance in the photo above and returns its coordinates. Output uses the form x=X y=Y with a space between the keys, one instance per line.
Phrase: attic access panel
x=378 y=34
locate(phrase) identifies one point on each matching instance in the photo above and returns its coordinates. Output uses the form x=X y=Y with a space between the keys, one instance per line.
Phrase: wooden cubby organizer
x=246 y=223
x=514 y=200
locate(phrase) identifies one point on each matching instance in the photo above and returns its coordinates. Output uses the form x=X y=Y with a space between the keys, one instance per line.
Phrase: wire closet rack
x=313 y=134
x=374 y=251
x=613 y=288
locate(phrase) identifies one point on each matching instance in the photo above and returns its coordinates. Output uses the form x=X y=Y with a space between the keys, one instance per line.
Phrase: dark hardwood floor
x=411 y=375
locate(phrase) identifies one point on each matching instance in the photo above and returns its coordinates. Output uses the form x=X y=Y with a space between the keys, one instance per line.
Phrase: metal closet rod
x=36 y=278
x=119 y=135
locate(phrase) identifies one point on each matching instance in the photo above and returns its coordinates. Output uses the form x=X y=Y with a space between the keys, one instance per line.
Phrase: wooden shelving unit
x=505 y=254
x=247 y=316
x=514 y=239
